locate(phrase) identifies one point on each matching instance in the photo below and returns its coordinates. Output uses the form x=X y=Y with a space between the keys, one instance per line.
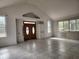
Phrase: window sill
x=3 y=37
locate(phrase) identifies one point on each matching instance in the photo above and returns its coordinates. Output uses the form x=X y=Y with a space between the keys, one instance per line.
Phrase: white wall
x=39 y=29
x=15 y=12
x=11 y=31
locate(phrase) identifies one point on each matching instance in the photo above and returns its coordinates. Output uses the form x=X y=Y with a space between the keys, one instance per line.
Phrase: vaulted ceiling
x=55 y=9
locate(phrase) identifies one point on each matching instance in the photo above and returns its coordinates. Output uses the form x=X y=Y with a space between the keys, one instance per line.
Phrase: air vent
x=40 y=22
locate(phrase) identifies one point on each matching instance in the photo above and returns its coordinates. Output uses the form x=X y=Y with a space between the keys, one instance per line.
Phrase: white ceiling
x=55 y=9
x=5 y=3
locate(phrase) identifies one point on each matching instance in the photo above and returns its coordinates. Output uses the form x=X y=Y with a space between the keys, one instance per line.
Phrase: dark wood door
x=29 y=31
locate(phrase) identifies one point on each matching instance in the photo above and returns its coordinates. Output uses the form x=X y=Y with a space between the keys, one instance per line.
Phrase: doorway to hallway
x=29 y=30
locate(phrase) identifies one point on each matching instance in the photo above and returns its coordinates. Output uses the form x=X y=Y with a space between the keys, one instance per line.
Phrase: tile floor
x=42 y=49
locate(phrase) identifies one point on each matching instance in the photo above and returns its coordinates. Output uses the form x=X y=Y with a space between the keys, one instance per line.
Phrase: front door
x=29 y=30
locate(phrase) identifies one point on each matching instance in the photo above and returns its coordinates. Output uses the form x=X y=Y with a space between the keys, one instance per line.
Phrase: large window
x=2 y=26
x=72 y=25
x=69 y=25
x=60 y=25
x=49 y=27
x=77 y=24
x=66 y=26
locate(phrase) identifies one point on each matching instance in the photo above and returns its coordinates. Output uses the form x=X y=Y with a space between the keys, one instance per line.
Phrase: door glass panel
x=33 y=30
x=27 y=30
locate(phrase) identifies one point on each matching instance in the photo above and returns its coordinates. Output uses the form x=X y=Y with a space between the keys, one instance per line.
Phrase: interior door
x=29 y=31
